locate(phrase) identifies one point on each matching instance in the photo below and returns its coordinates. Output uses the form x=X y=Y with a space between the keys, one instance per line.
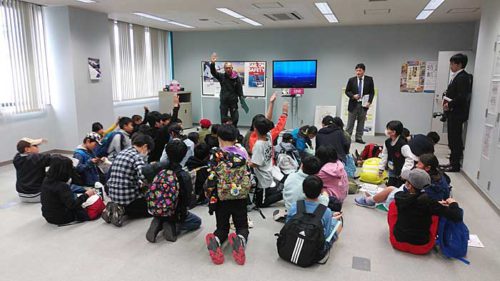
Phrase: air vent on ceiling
x=226 y=23
x=268 y=5
x=377 y=0
x=284 y=16
x=377 y=11
x=462 y=10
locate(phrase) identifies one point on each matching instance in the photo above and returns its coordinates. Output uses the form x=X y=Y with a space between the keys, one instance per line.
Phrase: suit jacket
x=352 y=89
x=459 y=90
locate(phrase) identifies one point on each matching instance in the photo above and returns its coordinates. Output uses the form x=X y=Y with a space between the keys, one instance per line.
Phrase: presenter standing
x=360 y=90
x=231 y=90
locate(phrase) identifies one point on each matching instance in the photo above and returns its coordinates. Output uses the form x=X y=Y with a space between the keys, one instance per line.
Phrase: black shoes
x=155 y=227
x=169 y=231
x=360 y=141
x=451 y=169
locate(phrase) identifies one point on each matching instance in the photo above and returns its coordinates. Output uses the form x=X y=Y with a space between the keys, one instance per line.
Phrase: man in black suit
x=456 y=106
x=360 y=90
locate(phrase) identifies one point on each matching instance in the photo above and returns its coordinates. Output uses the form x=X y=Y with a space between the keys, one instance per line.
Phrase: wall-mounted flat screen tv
x=295 y=73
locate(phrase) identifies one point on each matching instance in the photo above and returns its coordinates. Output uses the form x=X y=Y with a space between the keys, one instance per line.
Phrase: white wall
x=489 y=29
x=338 y=49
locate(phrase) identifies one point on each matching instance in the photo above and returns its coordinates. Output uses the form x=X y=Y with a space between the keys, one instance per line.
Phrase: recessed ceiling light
x=433 y=4
x=238 y=16
x=162 y=20
x=424 y=14
x=203 y=19
x=327 y=12
x=150 y=16
x=87 y=1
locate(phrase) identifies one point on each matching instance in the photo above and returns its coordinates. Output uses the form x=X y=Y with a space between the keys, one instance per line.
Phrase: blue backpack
x=453 y=239
x=102 y=150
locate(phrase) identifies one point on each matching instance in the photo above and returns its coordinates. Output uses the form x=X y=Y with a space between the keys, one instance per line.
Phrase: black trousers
x=455 y=141
x=266 y=197
x=137 y=209
x=227 y=209
x=232 y=110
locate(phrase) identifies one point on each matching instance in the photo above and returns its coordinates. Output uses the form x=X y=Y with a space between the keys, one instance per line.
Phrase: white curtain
x=139 y=60
x=23 y=75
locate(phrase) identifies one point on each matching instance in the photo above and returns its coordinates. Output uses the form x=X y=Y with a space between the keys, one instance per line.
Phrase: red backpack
x=371 y=150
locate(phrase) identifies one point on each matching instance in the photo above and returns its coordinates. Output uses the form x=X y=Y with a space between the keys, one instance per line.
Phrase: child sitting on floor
x=334 y=176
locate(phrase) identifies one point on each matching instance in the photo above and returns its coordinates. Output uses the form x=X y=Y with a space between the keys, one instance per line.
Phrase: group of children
x=148 y=168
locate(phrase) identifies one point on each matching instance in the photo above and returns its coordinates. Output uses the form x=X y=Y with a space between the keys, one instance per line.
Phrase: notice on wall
x=370 y=115
x=94 y=69
x=493 y=97
x=321 y=112
x=487 y=138
x=418 y=77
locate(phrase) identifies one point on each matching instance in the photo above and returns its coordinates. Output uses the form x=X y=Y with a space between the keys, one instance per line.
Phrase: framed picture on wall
x=94 y=69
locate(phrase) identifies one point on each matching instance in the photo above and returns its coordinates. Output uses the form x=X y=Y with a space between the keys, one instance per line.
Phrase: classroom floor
x=32 y=249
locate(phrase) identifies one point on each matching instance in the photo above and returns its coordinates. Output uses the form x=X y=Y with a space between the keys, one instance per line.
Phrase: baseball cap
x=94 y=137
x=420 y=179
x=23 y=143
x=205 y=123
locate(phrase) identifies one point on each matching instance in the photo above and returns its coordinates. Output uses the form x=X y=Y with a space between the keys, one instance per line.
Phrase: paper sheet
x=474 y=241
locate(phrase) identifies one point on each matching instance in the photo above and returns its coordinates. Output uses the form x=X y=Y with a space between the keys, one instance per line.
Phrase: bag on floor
x=94 y=206
x=162 y=194
x=370 y=150
x=453 y=239
x=353 y=187
x=370 y=172
x=350 y=166
x=302 y=240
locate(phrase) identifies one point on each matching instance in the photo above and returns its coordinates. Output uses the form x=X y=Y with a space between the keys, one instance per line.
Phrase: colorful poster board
x=370 y=115
x=418 y=77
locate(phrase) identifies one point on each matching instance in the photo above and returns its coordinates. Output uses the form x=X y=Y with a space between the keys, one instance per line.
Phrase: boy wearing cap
x=415 y=210
x=87 y=160
x=30 y=169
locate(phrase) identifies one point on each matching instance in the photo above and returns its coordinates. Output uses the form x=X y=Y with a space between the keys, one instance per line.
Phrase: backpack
x=192 y=176
x=301 y=241
x=287 y=162
x=161 y=197
x=370 y=173
x=371 y=150
x=350 y=166
x=102 y=150
x=453 y=238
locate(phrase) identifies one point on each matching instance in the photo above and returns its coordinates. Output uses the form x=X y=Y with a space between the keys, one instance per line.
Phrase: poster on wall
x=418 y=77
x=370 y=115
x=252 y=75
x=496 y=70
x=322 y=111
x=485 y=151
x=494 y=96
x=94 y=69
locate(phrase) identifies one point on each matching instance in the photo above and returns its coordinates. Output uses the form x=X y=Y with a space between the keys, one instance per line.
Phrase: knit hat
x=420 y=179
x=205 y=123
x=420 y=144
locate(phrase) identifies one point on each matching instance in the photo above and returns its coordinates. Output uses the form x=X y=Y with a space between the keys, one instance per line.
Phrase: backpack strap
x=301 y=207
x=319 y=212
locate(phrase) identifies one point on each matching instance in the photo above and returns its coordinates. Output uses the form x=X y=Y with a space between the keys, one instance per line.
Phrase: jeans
x=192 y=222
x=232 y=110
x=357 y=114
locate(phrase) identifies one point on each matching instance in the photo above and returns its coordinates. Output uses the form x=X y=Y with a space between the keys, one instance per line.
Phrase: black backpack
x=302 y=240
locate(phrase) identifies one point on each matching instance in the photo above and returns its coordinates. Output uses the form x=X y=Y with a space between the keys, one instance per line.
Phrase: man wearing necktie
x=456 y=106
x=360 y=90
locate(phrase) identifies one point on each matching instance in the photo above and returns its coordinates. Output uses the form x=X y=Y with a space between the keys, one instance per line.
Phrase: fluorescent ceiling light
x=230 y=12
x=87 y=1
x=238 y=16
x=252 y=22
x=327 y=12
x=424 y=14
x=180 y=24
x=150 y=16
x=331 y=18
x=433 y=4
x=324 y=8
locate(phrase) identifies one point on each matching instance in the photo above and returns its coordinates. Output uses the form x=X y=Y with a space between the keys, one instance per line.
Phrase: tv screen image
x=294 y=74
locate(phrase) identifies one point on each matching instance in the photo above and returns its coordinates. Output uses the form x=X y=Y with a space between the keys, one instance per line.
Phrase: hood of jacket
x=406 y=200
x=334 y=169
x=193 y=163
x=328 y=130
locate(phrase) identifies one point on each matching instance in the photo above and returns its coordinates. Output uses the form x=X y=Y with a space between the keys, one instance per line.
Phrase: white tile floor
x=31 y=249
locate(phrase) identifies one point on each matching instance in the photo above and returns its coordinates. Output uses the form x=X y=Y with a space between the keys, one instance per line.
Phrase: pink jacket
x=335 y=181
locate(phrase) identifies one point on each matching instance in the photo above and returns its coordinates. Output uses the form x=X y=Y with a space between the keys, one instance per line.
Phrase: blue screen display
x=294 y=74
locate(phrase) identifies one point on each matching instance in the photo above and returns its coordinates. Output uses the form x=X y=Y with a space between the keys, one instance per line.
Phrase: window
x=139 y=60
x=23 y=75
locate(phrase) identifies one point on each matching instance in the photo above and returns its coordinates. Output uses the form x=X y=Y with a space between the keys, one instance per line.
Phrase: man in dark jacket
x=332 y=135
x=456 y=105
x=30 y=169
x=416 y=208
x=231 y=89
x=361 y=91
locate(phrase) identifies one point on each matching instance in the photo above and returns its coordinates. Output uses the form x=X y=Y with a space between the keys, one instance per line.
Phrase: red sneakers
x=214 y=249
x=238 y=244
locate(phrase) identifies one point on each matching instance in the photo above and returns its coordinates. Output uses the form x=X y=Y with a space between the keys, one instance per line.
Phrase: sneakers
x=238 y=244
x=214 y=249
x=154 y=229
x=108 y=212
x=169 y=231
x=118 y=215
x=361 y=201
